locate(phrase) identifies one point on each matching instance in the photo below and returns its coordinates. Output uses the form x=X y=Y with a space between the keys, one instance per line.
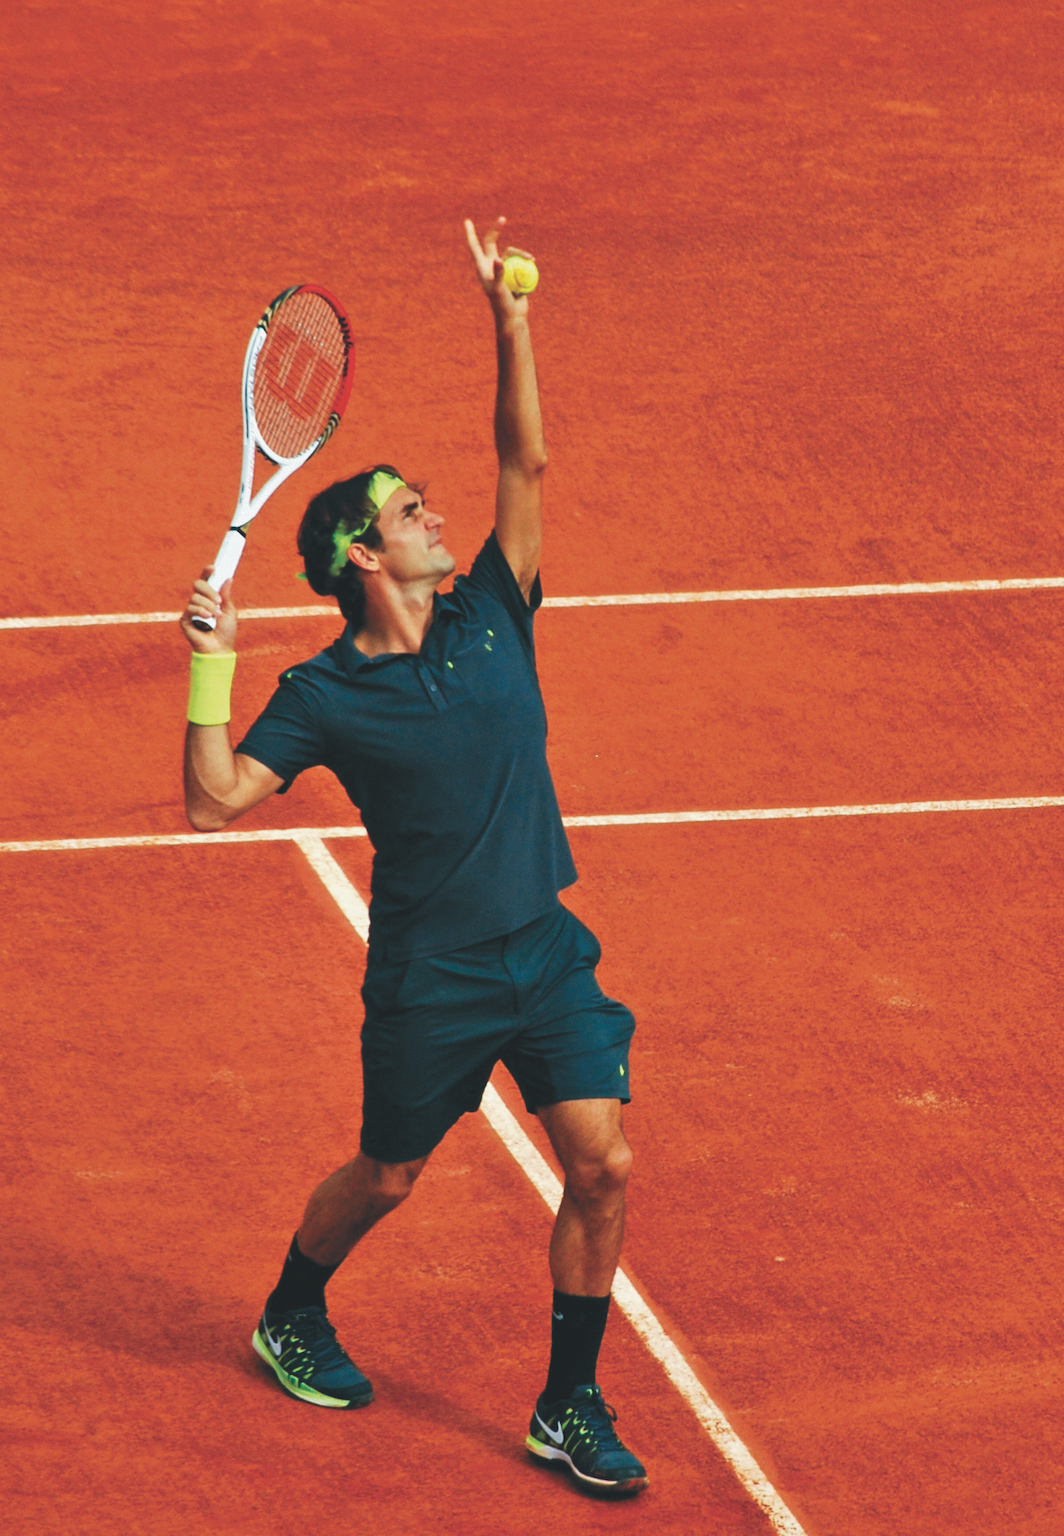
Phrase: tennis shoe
x=302 y=1350
x=579 y=1432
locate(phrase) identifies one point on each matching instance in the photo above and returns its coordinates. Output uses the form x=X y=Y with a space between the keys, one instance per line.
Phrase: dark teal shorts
x=435 y=1028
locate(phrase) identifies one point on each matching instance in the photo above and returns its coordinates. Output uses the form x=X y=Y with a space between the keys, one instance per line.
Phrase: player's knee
x=601 y=1174
x=617 y=1165
x=392 y=1182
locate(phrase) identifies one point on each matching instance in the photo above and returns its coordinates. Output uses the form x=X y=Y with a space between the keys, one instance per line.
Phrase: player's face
x=413 y=539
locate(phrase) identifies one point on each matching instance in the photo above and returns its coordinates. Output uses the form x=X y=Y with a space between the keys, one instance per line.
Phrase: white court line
x=89 y=620
x=615 y=600
x=637 y=819
x=336 y=883
x=182 y=839
x=631 y=1303
x=783 y=594
x=803 y=812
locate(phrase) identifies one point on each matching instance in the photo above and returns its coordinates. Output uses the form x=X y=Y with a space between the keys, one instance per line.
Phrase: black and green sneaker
x=579 y=1431
x=302 y=1351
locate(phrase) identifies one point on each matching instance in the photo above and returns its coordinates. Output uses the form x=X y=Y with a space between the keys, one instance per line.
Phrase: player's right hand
x=206 y=603
x=490 y=267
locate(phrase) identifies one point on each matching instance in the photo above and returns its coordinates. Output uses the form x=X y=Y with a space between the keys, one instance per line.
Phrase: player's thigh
x=433 y=1030
x=403 y=1135
x=588 y=1137
x=572 y=1041
x=431 y=1021
x=580 y=1056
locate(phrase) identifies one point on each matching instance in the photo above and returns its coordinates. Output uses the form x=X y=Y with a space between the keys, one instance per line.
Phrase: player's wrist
x=509 y=324
x=210 y=685
x=512 y=343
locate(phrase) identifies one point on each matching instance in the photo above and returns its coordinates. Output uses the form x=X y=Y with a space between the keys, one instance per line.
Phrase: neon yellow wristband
x=209 y=685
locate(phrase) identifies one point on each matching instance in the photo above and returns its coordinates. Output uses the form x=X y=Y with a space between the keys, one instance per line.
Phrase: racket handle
x=225 y=564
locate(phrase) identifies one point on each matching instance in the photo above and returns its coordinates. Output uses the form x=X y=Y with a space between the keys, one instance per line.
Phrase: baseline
x=614 y=600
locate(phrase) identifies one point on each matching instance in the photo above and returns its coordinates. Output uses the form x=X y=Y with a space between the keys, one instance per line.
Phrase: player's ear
x=365 y=559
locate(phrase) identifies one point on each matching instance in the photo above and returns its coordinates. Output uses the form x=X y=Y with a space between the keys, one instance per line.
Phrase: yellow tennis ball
x=519 y=274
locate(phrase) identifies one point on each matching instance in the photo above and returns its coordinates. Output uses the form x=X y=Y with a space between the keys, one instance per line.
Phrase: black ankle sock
x=577 y=1326
x=302 y=1283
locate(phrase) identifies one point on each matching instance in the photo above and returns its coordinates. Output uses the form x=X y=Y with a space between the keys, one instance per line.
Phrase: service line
x=633 y=819
x=614 y=600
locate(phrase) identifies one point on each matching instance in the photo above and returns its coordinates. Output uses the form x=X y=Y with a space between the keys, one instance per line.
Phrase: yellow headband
x=381 y=486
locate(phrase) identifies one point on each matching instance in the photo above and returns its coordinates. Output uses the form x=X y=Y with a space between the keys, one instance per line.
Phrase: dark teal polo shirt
x=445 y=756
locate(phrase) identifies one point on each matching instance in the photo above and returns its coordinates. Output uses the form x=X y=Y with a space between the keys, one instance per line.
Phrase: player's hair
x=341 y=507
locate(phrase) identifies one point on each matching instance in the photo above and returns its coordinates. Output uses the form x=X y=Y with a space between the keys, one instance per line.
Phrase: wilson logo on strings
x=296 y=373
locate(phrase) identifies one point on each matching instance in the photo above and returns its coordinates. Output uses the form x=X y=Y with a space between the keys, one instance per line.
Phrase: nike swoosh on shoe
x=555 y=1434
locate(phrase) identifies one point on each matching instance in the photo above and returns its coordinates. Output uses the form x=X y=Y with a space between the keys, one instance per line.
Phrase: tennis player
x=428 y=710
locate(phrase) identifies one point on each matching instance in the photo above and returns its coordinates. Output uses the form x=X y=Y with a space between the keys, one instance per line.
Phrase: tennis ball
x=519 y=274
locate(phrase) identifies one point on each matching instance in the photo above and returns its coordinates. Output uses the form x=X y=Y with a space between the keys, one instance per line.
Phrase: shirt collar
x=354 y=661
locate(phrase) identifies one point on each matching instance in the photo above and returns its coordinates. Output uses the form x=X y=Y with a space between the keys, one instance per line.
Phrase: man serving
x=428 y=710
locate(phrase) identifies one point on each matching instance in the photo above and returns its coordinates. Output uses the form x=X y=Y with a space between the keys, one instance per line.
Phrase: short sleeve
x=490 y=573
x=286 y=738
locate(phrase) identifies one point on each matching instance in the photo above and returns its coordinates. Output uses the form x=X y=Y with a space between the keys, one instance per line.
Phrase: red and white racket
x=297 y=380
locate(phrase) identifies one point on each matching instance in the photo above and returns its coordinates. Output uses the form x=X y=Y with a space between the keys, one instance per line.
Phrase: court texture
x=799 y=337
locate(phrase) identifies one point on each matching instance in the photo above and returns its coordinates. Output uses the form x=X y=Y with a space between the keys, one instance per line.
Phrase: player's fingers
x=491 y=239
x=474 y=244
x=512 y=250
x=497 y=282
x=199 y=620
x=200 y=606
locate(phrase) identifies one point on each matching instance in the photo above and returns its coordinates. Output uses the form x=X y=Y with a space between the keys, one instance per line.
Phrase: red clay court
x=798 y=335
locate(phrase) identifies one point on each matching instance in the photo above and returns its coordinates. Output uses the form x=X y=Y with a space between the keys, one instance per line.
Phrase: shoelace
x=600 y=1418
x=319 y=1335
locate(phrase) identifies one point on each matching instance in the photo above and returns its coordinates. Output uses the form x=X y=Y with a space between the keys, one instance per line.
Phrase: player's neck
x=397 y=618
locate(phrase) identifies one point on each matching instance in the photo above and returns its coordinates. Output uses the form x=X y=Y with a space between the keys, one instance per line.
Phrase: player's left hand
x=489 y=265
x=208 y=603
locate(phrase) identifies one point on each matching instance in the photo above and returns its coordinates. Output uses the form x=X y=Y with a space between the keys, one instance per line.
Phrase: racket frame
x=248 y=507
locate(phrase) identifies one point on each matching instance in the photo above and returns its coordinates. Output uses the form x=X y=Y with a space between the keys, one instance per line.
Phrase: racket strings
x=298 y=374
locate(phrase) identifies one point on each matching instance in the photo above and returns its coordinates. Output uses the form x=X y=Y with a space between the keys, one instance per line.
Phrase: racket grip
x=225 y=563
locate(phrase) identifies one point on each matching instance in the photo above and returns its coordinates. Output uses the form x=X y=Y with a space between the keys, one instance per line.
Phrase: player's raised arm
x=220 y=785
x=519 y=438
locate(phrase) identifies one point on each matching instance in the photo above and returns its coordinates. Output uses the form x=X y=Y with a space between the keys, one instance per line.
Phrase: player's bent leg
x=572 y=1423
x=295 y=1337
x=349 y=1202
x=588 y=1137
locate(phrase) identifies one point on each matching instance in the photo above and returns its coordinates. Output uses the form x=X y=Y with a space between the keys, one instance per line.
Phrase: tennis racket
x=297 y=380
